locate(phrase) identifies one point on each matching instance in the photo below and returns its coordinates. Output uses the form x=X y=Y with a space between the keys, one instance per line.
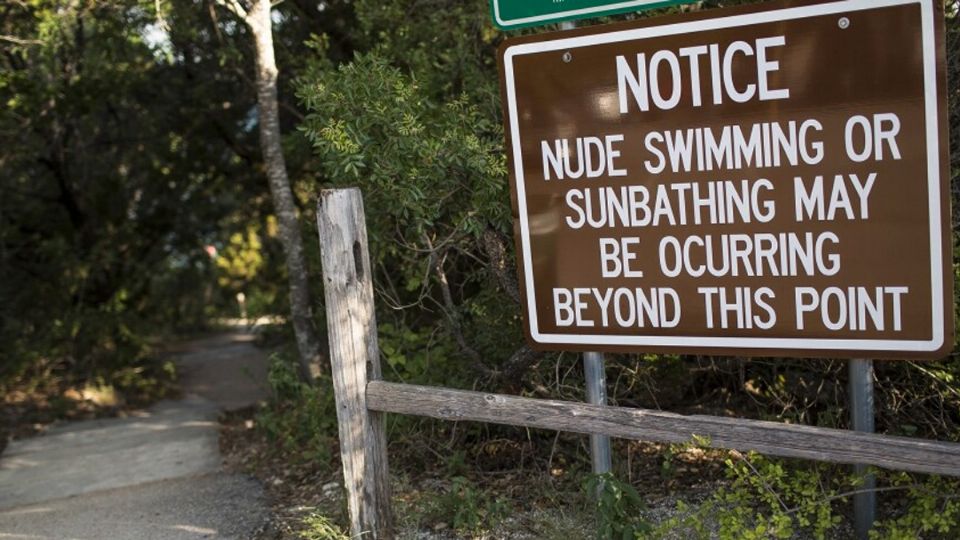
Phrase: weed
x=320 y=527
x=780 y=499
x=618 y=507
x=465 y=507
x=470 y=509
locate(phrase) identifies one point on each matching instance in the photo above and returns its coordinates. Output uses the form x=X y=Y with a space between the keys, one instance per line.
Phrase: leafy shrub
x=781 y=499
x=301 y=419
x=932 y=510
x=618 y=507
x=412 y=121
x=769 y=499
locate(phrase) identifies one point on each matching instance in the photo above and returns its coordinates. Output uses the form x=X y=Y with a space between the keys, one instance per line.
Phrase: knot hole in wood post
x=358 y=260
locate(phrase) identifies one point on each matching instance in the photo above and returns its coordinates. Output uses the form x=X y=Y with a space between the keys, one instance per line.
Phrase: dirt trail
x=153 y=475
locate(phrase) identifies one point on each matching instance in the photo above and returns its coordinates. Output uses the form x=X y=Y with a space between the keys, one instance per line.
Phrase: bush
x=772 y=498
x=301 y=419
x=618 y=507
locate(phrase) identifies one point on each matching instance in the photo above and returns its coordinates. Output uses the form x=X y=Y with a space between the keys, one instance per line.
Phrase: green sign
x=518 y=13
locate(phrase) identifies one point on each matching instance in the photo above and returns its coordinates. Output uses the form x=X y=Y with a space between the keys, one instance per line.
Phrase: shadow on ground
x=154 y=475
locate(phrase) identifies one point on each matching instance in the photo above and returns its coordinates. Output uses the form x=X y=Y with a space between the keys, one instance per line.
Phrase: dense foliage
x=112 y=180
x=133 y=201
x=413 y=120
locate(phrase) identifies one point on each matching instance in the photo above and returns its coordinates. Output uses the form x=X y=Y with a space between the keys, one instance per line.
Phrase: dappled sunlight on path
x=155 y=474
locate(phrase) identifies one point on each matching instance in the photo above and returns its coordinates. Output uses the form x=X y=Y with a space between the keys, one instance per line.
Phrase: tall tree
x=257 y=16
x=119 y=163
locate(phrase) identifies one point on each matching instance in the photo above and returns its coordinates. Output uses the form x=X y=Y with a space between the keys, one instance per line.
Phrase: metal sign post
x=861 y=416
x=594 y=370
x=593 y=367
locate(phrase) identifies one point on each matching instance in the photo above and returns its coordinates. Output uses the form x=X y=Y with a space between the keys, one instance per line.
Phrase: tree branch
x=235 y=7
x=762 y=480
x=848 y=494
x=519 y=361
x=67 y=198
x=20 y=41
x=496 y=251
x=453 y=318
x=216 y=23
x=161 y=21
x=455 y=327
x=293 y=111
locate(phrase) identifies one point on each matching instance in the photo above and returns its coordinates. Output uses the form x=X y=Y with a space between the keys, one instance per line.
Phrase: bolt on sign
x=509 y=14
x=768 y=180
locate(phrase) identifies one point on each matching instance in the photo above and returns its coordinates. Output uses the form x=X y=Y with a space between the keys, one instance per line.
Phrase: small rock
x=330 y=486
x=440 y=526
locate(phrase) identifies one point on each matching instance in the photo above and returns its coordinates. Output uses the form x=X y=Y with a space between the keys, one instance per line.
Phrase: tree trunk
x=308 y=346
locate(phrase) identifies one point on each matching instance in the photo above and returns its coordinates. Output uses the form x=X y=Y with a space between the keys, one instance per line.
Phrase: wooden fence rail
x=772 y=438
x=362 y=398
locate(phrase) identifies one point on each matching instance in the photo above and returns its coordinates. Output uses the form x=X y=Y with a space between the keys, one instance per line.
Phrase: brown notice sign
x=769 y=180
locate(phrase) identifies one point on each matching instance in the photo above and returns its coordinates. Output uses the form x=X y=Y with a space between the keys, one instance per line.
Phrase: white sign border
x=933 y=180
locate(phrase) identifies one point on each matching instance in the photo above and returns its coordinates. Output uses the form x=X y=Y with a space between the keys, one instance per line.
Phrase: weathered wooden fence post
x=354 y=357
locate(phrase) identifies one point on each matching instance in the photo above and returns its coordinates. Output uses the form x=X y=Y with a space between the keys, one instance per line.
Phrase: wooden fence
x=363 y=398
